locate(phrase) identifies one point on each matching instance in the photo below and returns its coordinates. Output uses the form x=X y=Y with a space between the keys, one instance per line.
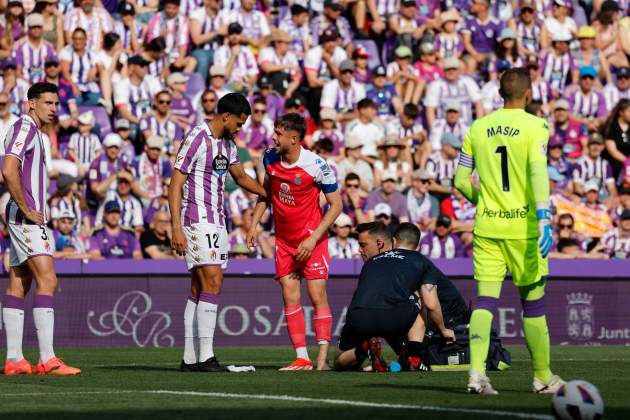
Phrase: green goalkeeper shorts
x=492 y=258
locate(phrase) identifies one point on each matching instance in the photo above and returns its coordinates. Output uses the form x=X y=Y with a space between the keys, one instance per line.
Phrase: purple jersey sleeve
x=187 y=154
x=19 y=136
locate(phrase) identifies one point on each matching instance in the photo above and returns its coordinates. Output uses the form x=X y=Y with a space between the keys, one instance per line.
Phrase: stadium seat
x=374 y=59
x=100 y=118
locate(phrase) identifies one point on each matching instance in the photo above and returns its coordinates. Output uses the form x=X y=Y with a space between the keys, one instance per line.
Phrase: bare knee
x=290 y=289
x=318 y=296
x=46 y=283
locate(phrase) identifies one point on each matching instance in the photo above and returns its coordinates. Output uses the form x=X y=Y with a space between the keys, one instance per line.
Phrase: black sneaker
x=211 y=365
x=185 y=367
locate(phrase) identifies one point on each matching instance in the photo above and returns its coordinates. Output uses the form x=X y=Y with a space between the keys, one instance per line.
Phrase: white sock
x=207 y=309
x=14 y=326
x=302 y=353
x=45 y=326
x=191 y=349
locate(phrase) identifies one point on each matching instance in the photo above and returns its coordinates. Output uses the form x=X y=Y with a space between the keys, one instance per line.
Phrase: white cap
x=328 y=114
x=389 y=174
x=383 y=208
x=112 y=139
x=343 y=220
x=591 y=185
x=155 y=142
x=176 y=77
x=87 y=118
x=66 y=214
x=34 y=19
x=352 y=141
x=562 y=35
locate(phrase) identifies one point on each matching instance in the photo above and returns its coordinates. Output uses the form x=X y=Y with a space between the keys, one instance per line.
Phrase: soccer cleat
x=479 y=383
x=376 y=355
x=211 y=365
x=23 y=367
x=188 y=367
x=56 y=366
x=298 y=364
x=551 y=388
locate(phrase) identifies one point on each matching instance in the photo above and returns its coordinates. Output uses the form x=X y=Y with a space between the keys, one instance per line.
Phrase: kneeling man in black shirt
x=385 y=303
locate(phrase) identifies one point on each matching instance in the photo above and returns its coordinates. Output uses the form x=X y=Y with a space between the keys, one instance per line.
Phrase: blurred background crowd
x=388 y=88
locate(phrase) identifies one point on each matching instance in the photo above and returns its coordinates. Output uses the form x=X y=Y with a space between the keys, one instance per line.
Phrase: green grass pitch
x=122 y=384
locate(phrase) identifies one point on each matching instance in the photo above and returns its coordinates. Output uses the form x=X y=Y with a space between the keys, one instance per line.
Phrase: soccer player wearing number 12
x=25 y=174
x=508 y=148
x=196 y=198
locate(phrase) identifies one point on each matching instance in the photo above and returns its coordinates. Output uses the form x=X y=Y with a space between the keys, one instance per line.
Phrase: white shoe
x=551 y=388
x=479 y=383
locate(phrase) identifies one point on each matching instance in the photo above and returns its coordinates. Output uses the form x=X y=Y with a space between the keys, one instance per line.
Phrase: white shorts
x=207 y=244
x=29 y=241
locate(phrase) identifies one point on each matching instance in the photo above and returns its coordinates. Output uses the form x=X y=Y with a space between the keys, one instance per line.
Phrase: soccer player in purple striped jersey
x=32 y=245
x=196 y=198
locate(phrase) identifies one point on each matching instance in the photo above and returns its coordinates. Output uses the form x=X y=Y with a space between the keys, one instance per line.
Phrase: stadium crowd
x=388 y=88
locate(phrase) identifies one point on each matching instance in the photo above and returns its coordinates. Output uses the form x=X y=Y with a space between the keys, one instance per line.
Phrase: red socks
x=322 y=322
x=296 y=325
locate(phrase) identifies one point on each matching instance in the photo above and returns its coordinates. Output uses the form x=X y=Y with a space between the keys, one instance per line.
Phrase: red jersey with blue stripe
x=295 y=193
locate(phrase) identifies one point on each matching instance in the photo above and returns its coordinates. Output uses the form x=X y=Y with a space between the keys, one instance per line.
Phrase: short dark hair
x=297 y=9
x=109 y=40
x=260 y=100
x=566 y=216
x=411 y=111
x=408 y=234
x=163 y=92
x=38 y=89
x=80 y=30
x=235 y=104
x=366 y=103
x=292 y=122
x=175 y=2
x=156 y=45
x=352 y=176
x=565 y=243
x=325 y=144
x=514 y=83
x=375 y=230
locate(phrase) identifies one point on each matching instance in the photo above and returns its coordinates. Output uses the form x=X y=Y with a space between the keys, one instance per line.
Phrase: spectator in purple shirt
x=111 y=240
x=558 y=65
x=388 y=194
x=442 y=243
x=68 y=245
x=275 y=102
x=480 y=33
x=67 y=112
x=257 y=130
x=182 y=111
x=161 y=122
x=587 y=104
x=104 y=170
x=32 y=52
x=331 y=17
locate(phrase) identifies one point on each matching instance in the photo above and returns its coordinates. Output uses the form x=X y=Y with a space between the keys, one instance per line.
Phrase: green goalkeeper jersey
x=503 y=145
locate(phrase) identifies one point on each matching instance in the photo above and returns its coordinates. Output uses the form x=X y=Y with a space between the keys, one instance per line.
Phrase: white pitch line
x=367 y=404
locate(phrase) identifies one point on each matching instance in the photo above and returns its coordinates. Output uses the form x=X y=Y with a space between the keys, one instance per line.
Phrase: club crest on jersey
x=220 y=164
x=297 y=179
x=213 y=254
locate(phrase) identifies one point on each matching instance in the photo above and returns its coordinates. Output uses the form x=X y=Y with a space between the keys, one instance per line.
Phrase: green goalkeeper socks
x=480 y=324
x=537 y=338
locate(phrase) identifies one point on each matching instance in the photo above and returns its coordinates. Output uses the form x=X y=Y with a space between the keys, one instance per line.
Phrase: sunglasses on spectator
x=527 y=10
x=588 y=77
x=570 y=226
x=352 y=185
x=209 y=100
x=623 y=77
x=4 y=103
x=259 y=111
x=164 y=102
x=346 y=71
x=425 y=181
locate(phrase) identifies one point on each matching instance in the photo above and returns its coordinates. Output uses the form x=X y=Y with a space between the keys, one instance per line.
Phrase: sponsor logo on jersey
x=220 y=164
x=516 y=213
x=285 y=188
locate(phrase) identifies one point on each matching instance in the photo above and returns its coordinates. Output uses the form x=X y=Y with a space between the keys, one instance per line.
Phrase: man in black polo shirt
x=385 y=303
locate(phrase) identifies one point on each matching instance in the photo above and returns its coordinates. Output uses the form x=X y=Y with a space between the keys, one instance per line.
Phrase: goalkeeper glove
x=545 y=239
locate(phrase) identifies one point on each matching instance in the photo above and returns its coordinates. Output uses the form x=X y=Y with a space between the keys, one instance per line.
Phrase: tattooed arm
x=430 y=301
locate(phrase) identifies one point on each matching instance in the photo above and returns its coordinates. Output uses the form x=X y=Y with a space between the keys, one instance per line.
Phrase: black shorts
x=391 y=324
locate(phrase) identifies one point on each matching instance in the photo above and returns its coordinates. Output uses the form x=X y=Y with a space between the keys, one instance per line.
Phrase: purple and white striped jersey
x=167 y=129
x=136 y=97
x=64 y=205
x=335 y=135
x=433 y=246
x=188 y=6
x=80 y=66
x=208 y=24
x=96 y=25
x=586 y=169
x=321 y=22
x=586 y=105
x=449 y=46
x=238 y=202
x=254 y=23
x=175 y=31
x=490 y=96
x=441 y=126
x=244 y=67
x=443 y=169
x=556 y=69
x=541 y=91
x=464 y=90
x=257 y=136
x=347 y=251
x=339 y=99
x=386 y=8
x=130 y=210
x=156 y=67
x=151 y=173
x=206 y=160
x=31 y=59
x=617 y=246
x=24 y=141
x=126 y=33
x=529 y=36
x=85 y=148
x=613 y=94
x=299 y=35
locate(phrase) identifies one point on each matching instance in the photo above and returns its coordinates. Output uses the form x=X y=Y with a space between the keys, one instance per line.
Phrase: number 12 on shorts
x=505 y=176
x=213 y=240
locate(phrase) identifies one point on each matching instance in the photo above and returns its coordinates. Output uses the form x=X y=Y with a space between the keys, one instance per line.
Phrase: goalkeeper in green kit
x=508 y=149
